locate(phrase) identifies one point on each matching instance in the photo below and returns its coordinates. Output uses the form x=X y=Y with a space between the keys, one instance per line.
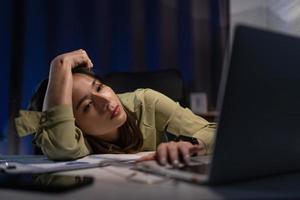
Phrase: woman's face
x=97 y=109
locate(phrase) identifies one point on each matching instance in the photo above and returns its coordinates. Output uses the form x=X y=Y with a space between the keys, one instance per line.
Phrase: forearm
x=59 y=90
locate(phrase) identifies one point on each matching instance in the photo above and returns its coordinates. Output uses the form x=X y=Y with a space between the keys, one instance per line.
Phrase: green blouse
x=59 y=138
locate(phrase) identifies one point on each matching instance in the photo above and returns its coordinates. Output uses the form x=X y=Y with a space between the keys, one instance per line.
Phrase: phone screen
x=44 y=182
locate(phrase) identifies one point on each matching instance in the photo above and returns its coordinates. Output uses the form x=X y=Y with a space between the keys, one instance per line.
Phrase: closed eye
x=99 y=87
x=87 y=107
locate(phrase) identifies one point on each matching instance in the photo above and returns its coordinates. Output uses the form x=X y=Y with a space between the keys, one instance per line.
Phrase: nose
x=101 y=101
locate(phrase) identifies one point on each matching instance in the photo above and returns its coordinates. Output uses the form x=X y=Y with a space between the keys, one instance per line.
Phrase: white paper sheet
x=40 y=164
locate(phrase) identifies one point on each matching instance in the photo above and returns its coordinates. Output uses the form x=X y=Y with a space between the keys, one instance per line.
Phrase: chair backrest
x=168 y=82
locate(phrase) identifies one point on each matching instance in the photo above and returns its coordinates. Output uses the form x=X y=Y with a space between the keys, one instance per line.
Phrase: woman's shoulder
x=138 y=97
x=140 y=94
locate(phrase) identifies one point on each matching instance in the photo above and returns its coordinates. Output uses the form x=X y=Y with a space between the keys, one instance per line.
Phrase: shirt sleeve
x=171 y=117
x=55 y=132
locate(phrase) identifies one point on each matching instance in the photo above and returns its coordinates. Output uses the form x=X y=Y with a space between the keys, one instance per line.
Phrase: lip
x=115 y=112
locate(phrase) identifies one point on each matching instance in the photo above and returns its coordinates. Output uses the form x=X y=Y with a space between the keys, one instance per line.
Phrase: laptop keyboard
x=199 y=168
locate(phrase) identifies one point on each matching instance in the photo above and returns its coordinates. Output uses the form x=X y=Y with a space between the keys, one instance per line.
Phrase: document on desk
x=40 y=164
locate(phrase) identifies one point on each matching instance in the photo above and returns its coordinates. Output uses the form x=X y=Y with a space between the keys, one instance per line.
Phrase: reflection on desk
x=44 y=182
x=121 y=182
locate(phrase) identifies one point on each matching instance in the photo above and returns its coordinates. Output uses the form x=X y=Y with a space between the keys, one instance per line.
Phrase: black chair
x=168 y=82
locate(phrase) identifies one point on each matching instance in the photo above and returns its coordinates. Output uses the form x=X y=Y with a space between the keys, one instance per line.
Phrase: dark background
x=118 y=35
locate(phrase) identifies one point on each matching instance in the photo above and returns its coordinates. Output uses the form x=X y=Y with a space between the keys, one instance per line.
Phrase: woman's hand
x=71 y=59
x=174 y=153
x=59 y=91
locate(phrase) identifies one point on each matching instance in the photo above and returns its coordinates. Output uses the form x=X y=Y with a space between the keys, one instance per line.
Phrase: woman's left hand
x=175 y=153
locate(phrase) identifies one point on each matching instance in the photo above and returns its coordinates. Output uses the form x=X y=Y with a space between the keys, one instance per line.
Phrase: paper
x=40 y=164
x=121 y=157
x=14 y=166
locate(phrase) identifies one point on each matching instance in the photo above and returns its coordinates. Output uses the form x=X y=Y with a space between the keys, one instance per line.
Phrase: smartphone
x=44 y=182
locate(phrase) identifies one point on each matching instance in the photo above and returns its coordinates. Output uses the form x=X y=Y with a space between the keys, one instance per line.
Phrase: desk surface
x=111 y=183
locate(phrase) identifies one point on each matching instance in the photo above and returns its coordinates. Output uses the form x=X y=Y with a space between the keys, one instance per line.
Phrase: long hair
x=131 y=138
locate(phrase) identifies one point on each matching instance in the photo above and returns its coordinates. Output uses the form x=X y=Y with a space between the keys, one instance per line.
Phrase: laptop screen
x=258 y=131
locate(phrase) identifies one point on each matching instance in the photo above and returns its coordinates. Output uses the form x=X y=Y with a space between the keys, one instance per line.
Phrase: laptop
x=258 y=130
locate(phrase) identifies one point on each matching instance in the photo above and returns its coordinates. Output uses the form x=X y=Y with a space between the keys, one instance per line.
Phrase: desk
x=110 y=185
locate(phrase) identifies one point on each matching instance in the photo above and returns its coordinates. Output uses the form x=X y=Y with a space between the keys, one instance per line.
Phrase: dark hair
x=131 y=139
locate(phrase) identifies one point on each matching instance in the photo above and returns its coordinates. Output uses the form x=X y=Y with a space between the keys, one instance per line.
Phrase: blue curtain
x=119 y=35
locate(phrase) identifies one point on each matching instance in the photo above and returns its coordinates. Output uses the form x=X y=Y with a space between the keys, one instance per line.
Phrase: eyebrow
x=82 y=99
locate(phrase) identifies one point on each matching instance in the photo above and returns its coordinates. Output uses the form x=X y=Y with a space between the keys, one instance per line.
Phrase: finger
x=85 y=58
x=161 y=154
x=185 y=153
x=73 y=53
x=78 y=57
x=173 y=153
x=198 y=150
x=151 y=156
x=81 y=59
x=89 y=63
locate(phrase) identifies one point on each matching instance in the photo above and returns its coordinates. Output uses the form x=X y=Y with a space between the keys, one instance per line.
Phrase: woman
x=81 y=116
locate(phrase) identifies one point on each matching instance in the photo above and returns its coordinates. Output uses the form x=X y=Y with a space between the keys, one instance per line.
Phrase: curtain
x=119 y=35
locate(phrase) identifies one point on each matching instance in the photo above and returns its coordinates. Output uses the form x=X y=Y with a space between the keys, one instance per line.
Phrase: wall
x=278 y=15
